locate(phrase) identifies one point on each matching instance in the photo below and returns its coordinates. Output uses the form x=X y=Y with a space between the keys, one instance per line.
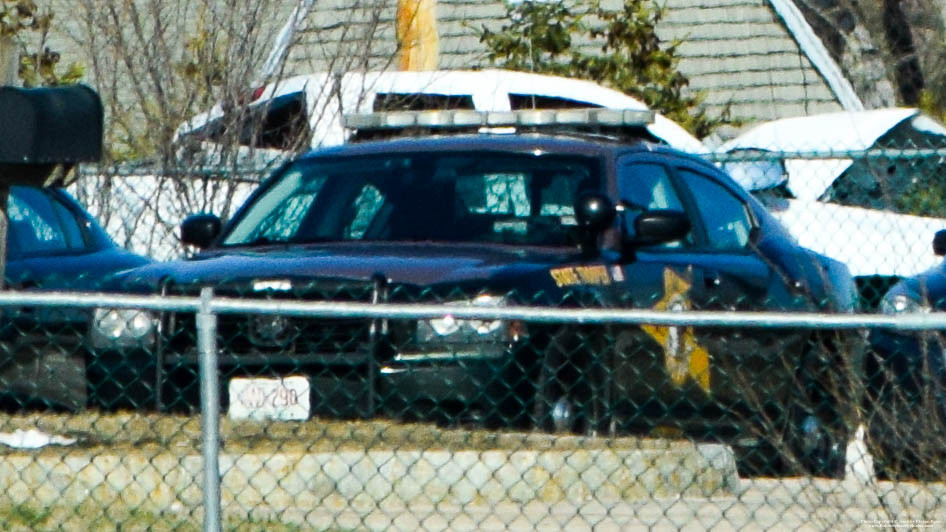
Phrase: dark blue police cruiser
x=563 y=213
x=906 y=379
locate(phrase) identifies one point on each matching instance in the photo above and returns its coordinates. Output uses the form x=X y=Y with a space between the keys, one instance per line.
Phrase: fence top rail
x=331 y=309
x=757 y=154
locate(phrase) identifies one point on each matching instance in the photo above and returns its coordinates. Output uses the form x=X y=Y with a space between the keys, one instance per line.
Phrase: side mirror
x=660 y=225
x=939 y=243
x=200 y=230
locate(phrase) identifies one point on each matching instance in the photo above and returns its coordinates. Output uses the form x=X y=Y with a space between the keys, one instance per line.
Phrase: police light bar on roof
x=521 y=118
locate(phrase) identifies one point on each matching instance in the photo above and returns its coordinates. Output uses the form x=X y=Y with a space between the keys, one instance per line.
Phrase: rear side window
x=533 y=101
x=421 y=101
x=280 y=123
x=41 y=225
x=527 y=101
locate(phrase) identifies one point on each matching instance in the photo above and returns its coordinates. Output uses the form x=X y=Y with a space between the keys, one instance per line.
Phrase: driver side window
x=647 y=186
x=725 y=217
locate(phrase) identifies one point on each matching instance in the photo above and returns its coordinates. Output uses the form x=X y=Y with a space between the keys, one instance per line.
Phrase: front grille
x=292 y=338
x=259 y=333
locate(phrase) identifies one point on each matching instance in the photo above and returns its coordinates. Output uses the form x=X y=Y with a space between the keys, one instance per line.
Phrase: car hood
x=90 y=271
x=424 y=264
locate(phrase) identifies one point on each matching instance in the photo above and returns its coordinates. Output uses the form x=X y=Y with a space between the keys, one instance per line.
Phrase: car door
x=46 y=249
x=656 y=368
x=714 y=268
x=738 y=277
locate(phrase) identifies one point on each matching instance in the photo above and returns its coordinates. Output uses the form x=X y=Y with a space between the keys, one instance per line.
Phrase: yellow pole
x=416 y=29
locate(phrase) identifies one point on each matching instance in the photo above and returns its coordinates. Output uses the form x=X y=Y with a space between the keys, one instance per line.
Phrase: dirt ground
x=127 y=430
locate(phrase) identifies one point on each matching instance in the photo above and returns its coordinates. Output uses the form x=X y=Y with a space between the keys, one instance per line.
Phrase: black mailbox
x=45 y=128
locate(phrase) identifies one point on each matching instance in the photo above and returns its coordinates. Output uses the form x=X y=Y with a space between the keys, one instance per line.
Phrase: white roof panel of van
x=841 y=131
x=826 y=133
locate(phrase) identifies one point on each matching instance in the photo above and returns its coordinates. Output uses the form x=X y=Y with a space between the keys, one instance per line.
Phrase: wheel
x=42 y=378
x=557 y=403
x=817 y=448
x=571 y=388
x=818 y=419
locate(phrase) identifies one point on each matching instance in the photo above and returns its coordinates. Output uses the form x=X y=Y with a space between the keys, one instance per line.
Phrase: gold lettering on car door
x=580 y=275
x=684 y=357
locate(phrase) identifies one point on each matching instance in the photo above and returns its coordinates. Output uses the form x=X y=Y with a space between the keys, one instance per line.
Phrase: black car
x=52 y=244
x=906 y=379
x=564 y=220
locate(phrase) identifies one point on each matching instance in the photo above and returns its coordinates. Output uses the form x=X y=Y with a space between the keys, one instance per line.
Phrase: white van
x=827 y=179
x=311 y=107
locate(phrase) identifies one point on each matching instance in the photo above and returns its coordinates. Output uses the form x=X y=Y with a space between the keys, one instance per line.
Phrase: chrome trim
x=440 y=356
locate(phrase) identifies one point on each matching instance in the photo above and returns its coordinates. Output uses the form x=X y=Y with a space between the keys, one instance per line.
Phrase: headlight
x=901 y=303
x=115 y=328
x=452 y=330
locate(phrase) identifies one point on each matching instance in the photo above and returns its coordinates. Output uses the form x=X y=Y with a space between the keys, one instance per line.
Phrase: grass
x=27 y=518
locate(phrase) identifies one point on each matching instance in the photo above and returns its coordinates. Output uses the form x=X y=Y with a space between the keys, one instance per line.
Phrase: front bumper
x=363 y=383
x=42 y=364
x=464 y=376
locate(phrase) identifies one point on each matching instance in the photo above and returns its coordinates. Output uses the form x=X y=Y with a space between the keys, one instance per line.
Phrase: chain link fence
x=331 y=404
x=558 y=417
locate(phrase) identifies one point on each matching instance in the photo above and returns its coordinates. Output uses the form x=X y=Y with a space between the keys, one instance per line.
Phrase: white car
x=827 y=178
x=312 y=106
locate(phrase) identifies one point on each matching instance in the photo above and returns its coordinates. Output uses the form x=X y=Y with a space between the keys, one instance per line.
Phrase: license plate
x=258 y=398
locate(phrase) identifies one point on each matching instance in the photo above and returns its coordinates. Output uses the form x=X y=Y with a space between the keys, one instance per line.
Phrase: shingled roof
x=743 y=54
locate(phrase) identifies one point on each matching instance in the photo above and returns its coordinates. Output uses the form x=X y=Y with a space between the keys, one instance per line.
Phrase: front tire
x=819 y=417
x=571 y=390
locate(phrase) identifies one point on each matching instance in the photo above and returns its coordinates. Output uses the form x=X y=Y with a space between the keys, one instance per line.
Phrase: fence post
x=210 y=409
x=9 y=64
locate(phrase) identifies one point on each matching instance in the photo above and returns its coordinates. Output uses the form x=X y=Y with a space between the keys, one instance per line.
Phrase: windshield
x=451 y=197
